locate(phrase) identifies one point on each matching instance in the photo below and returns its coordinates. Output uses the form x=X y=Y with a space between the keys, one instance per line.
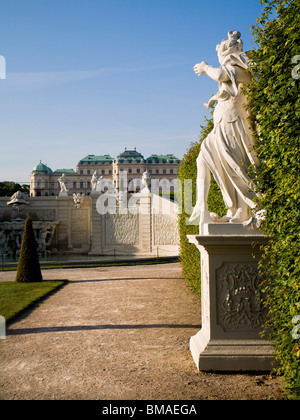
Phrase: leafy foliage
x=28 y=270
x=8 y=188
x=189 y=254
x=276 y=104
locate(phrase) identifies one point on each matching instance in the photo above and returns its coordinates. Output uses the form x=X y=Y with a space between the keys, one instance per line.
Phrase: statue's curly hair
x=231 y=45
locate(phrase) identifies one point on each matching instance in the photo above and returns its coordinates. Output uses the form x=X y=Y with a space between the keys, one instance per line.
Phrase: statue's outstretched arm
x=217 y=74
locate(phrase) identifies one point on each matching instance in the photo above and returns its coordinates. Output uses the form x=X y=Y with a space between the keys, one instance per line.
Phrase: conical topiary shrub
x=28 y=266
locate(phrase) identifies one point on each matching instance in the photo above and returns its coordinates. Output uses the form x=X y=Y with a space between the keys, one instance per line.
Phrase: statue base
x=232 y=311
x=63 y=194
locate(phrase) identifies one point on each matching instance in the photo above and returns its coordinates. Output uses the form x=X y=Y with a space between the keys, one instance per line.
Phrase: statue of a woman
x=227 y=152
x=62 y=182
x=94 y=180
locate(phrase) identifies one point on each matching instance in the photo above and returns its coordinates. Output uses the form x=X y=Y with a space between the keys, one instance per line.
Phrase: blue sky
x=96 y=76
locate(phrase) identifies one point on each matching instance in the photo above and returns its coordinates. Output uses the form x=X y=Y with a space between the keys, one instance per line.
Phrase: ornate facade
x=44 y=181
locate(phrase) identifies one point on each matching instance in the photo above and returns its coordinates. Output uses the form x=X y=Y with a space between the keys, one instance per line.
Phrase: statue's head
x=234 y=35
x=230 y=46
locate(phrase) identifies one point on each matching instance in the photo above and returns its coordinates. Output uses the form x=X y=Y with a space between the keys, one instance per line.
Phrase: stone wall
x=72 y=234
x=148 y=229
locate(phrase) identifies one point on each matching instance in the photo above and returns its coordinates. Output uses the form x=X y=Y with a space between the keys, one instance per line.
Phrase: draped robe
x=228 y=149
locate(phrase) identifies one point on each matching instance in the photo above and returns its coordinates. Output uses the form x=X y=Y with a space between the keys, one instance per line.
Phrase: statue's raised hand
x=200 y=68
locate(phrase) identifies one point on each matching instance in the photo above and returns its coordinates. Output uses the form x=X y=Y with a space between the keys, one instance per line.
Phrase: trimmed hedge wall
x=276 y=104
x=275 y=99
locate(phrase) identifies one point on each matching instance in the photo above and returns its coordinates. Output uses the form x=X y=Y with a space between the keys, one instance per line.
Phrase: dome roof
x=130 y=154
x=41 y=168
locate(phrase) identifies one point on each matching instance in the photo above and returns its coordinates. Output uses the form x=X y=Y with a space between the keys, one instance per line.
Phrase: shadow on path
x=23 y=331
x=121 y=279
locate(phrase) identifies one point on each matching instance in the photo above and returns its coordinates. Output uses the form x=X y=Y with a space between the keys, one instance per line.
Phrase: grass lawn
x=15 y=297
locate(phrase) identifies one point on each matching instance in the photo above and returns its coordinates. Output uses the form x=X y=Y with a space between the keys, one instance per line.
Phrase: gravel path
x=119 y=333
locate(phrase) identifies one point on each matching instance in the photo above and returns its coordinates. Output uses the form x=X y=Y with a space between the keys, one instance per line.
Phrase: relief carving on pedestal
x=239 y=297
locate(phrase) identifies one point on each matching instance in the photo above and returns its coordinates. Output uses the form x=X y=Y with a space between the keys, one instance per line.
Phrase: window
x=103 y=171
x=81 y=184
x=164 y=171
x=171 y=171
x=81 y=172
x=138 y=170
x=88 y=171
x=157 y=171
x=74 y=184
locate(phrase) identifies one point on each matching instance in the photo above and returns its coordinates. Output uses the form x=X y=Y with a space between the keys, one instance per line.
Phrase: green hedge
x=276 y=105
x=189 y=254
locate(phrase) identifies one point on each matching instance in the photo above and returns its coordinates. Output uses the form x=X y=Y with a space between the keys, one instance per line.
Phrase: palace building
x=44 y=181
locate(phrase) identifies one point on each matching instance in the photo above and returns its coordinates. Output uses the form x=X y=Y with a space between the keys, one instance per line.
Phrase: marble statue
x=62 y=182
x=78 y=199
x=227 y=152
x=18 y=200
x=146 y=182
x=11 y=236
x=96 y=182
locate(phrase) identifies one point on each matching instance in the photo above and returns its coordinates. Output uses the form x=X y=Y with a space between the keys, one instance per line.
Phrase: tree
x=28 y=270
x=8 y=188
x=274 y=94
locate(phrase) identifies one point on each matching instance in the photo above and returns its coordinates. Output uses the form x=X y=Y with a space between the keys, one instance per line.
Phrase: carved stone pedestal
x=232 y=312
x=63 y=194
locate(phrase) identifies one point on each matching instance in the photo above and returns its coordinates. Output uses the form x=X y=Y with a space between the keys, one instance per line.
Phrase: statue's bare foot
x=228 y=216
x=240 y=216
x=216 y=219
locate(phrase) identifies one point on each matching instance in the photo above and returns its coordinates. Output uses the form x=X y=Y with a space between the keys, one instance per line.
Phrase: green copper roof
x=93 y=159
x=163 y=159
x=130 y=154
x=64 y=171
x=41 y=168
